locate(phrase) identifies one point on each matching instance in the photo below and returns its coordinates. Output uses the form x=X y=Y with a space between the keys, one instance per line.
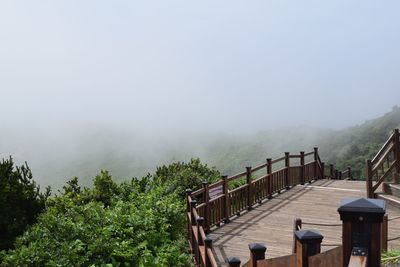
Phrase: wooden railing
x=383 y=164
x=216 y=203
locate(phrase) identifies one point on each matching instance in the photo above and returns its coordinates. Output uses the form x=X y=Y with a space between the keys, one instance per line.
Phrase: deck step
x=391 y=189
x=390 y=199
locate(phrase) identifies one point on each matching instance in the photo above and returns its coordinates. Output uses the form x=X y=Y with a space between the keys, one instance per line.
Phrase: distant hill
x=346 y=147
x=352 y=146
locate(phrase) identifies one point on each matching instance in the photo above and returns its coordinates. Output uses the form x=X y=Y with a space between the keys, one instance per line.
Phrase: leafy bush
x=20 y=201
x=140 y=222
x=180 y=176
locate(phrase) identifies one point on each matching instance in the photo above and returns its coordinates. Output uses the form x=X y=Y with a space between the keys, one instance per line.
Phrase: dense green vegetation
x=135 y=223
x=20 y=201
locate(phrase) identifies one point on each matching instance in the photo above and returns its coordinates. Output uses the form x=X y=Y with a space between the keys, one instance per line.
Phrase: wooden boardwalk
x=271 y=223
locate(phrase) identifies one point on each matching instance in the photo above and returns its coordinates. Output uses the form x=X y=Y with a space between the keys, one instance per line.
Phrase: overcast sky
x=197 y=65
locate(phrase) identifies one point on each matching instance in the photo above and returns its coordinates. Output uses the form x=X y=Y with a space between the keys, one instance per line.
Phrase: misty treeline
x=138 y=222
x=55 y=156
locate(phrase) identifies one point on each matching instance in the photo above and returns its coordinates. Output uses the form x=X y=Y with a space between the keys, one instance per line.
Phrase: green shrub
x=140 y=222
x=20 y=201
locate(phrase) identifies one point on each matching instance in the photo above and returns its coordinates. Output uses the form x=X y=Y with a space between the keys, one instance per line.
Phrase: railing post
x=336 y=174
x=234 y=262
x=349 y=173
x=308 y=243
x=207 y=207
x=361 y=229
x=193 y=205
x=316 y=163
x=208 y=245
x=199 y=223
x=396 y=177
x=269 y=181
x=396 y=136
x=287 y=172
x=302 y=170
x=384 y=233
x=340 y=175
x=331 y=170
x=188 y=194
x=225 y=189
x=257 y=252
x=188 y=212
x=193 y=220
x=296 y=227
x=368 y=178
x=249 y=191
x=323 y=170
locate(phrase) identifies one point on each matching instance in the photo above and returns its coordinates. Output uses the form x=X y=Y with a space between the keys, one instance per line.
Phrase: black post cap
x=193 y=203
x=257 y=247
x=200 y=220
x=307 y=236
x=205 y=183
x=234 y=261
x=188 y=191
x=362 y=209
x=208 y=241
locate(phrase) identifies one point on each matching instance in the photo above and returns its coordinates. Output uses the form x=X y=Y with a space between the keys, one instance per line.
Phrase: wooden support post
x=197 y=253
x=302 y=178
x=234 y=262
x=249 y=188
x=396 y=141
x=368 y=178
x=384 y=233
x=316 y=169
x=188 y=211
x=396 y=177
x=349 y=174
x=308 y=243
x=208 y=246
x=193 y=205
x=323 y=170
x=188 y=194
x=296 y=227
x=269 y=181
x=200 y=223
x=257 y=252
x=287 y=172
x=362 y=221
x=340 y=175
x=225 y=189
x=207 y=207
x=331 y=170
x=336 y=174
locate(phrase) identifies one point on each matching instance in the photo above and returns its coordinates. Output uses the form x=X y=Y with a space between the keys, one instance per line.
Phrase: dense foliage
x=135 y=223
x=20 y=201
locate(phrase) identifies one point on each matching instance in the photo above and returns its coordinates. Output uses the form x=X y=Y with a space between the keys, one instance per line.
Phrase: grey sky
x=159 y=66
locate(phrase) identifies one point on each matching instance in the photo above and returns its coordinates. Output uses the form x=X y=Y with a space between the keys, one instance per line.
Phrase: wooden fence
x=215 y=203
x=383 y=164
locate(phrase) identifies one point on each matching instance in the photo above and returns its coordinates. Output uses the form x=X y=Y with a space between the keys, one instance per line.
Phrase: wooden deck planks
x=271 y=223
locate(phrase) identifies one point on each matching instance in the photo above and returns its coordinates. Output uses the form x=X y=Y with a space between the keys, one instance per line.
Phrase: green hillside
x=346 y=147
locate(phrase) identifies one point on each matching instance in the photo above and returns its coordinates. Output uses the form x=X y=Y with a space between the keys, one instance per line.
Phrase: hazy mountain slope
x=347 y=147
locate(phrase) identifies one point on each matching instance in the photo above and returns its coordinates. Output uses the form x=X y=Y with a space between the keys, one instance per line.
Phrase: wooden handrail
x=388 y=141
x=223 y=203
x=376 y=166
